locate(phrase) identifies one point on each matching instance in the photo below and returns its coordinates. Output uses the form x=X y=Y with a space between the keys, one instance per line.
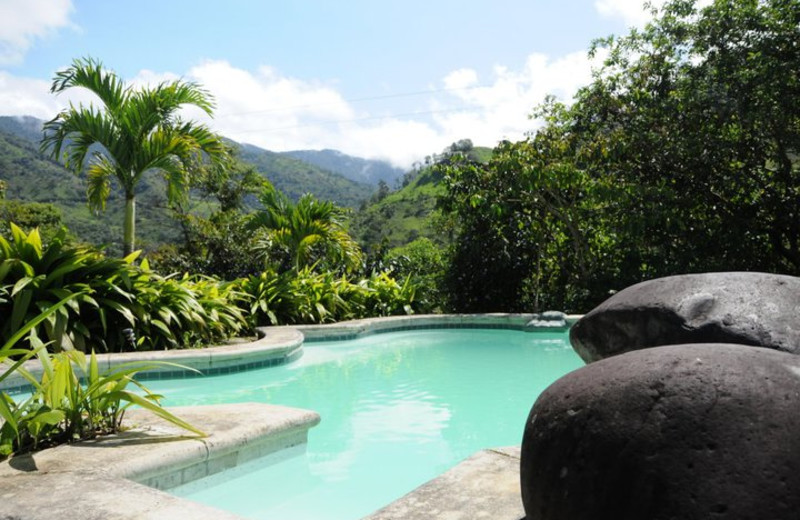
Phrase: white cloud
x=23 y=21
x=26 y=97
x=277 y=112
x=461 y=78
x=500 y=110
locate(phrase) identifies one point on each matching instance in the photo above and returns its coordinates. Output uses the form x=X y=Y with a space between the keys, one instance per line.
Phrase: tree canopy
x=680 y=156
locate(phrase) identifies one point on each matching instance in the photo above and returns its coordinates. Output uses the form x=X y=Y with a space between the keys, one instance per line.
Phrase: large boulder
x=675 y=432
x=747 y=308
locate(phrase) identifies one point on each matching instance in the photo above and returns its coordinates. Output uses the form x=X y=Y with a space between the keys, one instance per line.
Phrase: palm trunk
x=129 y=228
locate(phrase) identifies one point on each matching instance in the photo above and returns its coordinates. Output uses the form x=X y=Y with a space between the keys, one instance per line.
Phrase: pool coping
x=125 y=481
x=485 y=485
x=283 y=344
x=353 y=329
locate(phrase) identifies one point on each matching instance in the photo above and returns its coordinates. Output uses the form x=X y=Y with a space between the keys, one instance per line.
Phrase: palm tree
x=134 y=132
x=306 y=233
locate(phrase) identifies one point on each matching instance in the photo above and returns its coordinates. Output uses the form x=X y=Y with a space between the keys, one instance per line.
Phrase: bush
x=423 y=262
x=306 y=296
x=61 y=407
x=110 y=295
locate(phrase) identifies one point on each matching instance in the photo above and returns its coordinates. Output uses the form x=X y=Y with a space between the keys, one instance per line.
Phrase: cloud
x=461 y=78
x=26 y=97
x=278 y=112
x=500 y=109
x=24 y=21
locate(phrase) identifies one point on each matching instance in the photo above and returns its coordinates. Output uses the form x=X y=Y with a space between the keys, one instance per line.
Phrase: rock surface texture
x=746 y=308
x=678 y=432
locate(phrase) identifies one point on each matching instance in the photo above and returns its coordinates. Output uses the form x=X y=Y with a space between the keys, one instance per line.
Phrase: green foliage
x=61 y=407
x=424 y=265
x=680 y=156
x=383 y=295
x=698 y=116
x=30 y=215
x=294 y=236
x=168 y=313
x=110 y=295
x=221 y=243
x=307 y=296
x=34 y=277
x=133 y=132
x=401 y=216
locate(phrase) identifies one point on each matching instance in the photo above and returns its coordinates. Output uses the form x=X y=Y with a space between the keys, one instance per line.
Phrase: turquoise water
x=397 y=410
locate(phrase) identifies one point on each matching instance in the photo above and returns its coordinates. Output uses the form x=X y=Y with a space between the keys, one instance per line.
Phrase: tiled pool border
x=279 y=345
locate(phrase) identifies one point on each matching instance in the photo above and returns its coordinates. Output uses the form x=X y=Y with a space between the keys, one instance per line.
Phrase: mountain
x=23 y=126
x=354 y=168
x=31 y=177
x=408 y=213
x=295 y=177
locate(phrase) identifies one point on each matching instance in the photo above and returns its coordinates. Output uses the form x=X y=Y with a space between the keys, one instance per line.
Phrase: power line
x=352 y=100
x=360 y=119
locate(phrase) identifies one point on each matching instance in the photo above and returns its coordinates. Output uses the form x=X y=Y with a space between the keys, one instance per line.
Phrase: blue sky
x=393 y=80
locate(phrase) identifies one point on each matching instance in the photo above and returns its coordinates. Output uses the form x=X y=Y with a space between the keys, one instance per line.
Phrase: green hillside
x=32 y=178
x=410 y=212
x=295 y=177
x=401 y=216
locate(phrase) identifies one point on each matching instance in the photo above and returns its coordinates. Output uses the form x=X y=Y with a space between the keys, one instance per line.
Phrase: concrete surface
x=104 y=478
x=485 y=485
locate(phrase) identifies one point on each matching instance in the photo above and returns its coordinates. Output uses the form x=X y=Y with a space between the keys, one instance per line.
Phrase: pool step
x=486 y=485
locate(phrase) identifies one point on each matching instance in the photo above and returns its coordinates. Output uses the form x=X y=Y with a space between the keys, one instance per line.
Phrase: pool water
x=397 y=410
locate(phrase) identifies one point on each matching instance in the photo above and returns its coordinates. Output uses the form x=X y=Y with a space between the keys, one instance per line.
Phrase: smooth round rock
x=746 y=308
x=677 y=432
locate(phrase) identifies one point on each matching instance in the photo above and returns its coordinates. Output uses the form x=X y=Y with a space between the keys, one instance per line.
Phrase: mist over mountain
x=354 y=168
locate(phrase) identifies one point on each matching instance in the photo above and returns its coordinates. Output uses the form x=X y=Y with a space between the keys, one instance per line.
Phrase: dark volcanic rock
x=746 y=308
x=676 y=432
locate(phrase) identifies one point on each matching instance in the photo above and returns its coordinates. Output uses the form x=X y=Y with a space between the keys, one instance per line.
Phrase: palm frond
x=78 y=129
x=90 y=73
x=99 y=182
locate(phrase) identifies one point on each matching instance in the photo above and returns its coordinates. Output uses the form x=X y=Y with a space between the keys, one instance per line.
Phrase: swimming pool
x=397 y=410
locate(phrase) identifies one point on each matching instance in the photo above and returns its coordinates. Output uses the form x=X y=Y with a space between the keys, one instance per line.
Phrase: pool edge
x=284 y=344
x=152 y=454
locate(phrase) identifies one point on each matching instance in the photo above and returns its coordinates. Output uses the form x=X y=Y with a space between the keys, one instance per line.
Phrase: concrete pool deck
x=124 y=481
x=119 y=476
x=486 y=485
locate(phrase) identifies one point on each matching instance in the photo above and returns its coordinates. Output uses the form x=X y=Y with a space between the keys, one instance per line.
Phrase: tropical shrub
x=308 y=233
x=424 y=263
x=168 y=313
x=111 y=295
x=296 y=297
x=307 y=296
x=63 y=406
x=34 y=277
